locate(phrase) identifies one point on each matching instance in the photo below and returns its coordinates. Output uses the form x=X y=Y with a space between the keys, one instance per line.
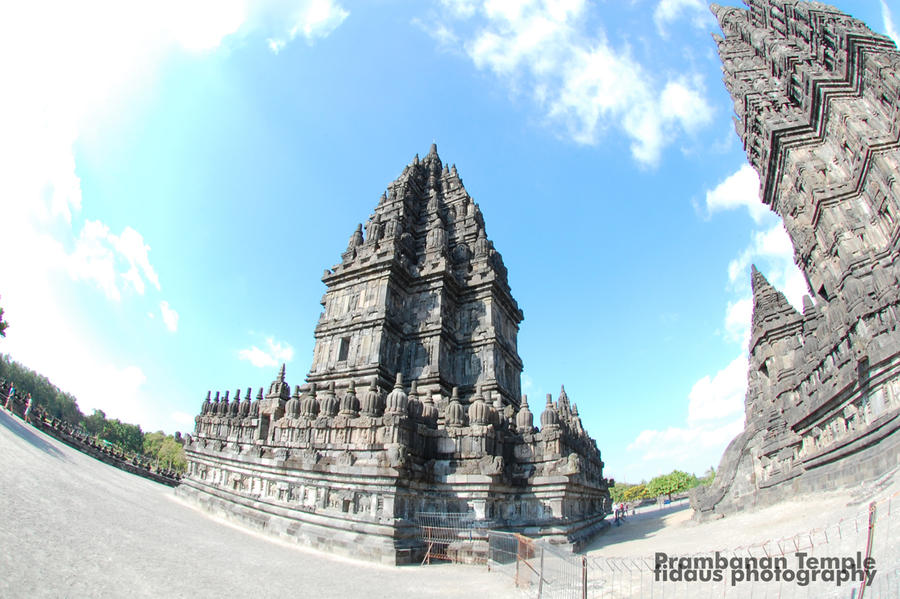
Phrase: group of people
x=620 y=511
x=10 y=402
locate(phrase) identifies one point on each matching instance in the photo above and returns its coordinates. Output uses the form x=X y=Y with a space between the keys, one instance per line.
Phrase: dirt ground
x=74 y=527
x=71 y=526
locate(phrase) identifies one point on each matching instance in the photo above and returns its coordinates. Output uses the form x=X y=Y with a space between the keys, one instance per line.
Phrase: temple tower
x=411 y=409
x=421 y=290
x=816 y=106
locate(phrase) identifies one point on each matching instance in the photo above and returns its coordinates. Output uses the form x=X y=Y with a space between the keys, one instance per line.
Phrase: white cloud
x=275 y=353
x=715 y=416
x=889 y=23
x=461 y=8
x=580 y=81
x=737 y=320
x=311 y=19
x=687 y=448
x=182 y=418
x=68 y=68
x=111 y=261
x=738 y=190
x=668 y=11
x=720 y=396
x=169 y=316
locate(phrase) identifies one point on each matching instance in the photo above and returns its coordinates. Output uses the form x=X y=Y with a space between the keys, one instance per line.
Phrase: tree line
x=166 y=450
x=665 y=484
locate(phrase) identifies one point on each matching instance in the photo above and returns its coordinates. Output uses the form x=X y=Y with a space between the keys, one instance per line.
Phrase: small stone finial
x=356 y=239
x=309 y=406
x=350 y=403
x=292 y=407
x=549 y=417
x=397 y=400
x=281 y=372
x=414 y=405
x=807 y=305
x=259 y=394
x=456 y=414
x=429 y=411
x=479 y=411
x=329 y=404
x=371 y=404
x=524 y=419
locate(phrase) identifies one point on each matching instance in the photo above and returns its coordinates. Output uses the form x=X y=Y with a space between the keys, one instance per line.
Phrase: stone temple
x=817 y=97
x=412 y=404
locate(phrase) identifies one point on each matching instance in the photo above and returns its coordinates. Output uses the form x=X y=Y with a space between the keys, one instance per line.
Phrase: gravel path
x=74 y=527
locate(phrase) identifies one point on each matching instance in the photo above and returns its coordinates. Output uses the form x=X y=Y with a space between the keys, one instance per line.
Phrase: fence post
x=583 y=577
x=862 y=585
x=541 y=574
x=518 y=558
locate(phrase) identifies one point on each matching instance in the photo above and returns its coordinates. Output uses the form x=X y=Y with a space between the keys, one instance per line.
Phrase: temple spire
x=771 y=310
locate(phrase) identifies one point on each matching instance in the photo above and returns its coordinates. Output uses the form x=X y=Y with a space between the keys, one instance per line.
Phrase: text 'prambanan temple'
x=412 y=404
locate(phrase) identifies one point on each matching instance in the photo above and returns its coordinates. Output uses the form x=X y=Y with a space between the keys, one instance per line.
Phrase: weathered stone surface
x=420 y=296
x=816 y=97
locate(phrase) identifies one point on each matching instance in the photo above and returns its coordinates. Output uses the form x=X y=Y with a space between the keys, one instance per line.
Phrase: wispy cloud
x=889 y=23
x=669 y=11
x=274 y=353
x=169 y=316
x=311 y=20
x=579 y=79
x=78 y=63
x=738 y=190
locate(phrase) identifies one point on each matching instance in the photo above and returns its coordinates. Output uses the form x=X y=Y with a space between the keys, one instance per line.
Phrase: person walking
x=9 y=398
x=28 y=403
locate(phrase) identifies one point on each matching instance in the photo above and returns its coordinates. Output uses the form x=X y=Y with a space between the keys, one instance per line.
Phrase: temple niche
x=412 y=403
x=816 y=100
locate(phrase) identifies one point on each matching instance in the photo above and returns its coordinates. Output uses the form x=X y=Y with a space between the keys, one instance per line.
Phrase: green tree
x=47 y=395
x=635 y=492
x=126 y=436
x=617 y=492
x=3 y=324
x=668 y=484
x=171 y=454
x=153 y=442
x=95 y=422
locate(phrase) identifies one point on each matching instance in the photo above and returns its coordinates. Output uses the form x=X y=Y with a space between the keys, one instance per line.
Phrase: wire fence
x=452 y=537
x=853 y=558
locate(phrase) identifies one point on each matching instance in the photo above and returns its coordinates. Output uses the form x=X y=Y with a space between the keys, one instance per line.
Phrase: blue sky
x=177 y=175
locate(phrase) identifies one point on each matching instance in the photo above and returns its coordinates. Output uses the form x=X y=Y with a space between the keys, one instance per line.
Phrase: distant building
x=412 y=404
x=816 y=96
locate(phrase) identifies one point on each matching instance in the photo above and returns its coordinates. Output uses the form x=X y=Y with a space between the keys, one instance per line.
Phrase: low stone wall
x=61 y=431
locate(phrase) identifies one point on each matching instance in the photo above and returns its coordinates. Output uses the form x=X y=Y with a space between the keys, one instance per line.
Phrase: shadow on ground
x=24 y=432
x=641 y=525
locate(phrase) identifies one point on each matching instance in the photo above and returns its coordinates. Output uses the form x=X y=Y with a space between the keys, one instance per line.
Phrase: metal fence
x=833 y=565
x=452 y=537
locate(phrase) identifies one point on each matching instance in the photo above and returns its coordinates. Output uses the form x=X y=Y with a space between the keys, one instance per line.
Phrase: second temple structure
x=412 y=404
